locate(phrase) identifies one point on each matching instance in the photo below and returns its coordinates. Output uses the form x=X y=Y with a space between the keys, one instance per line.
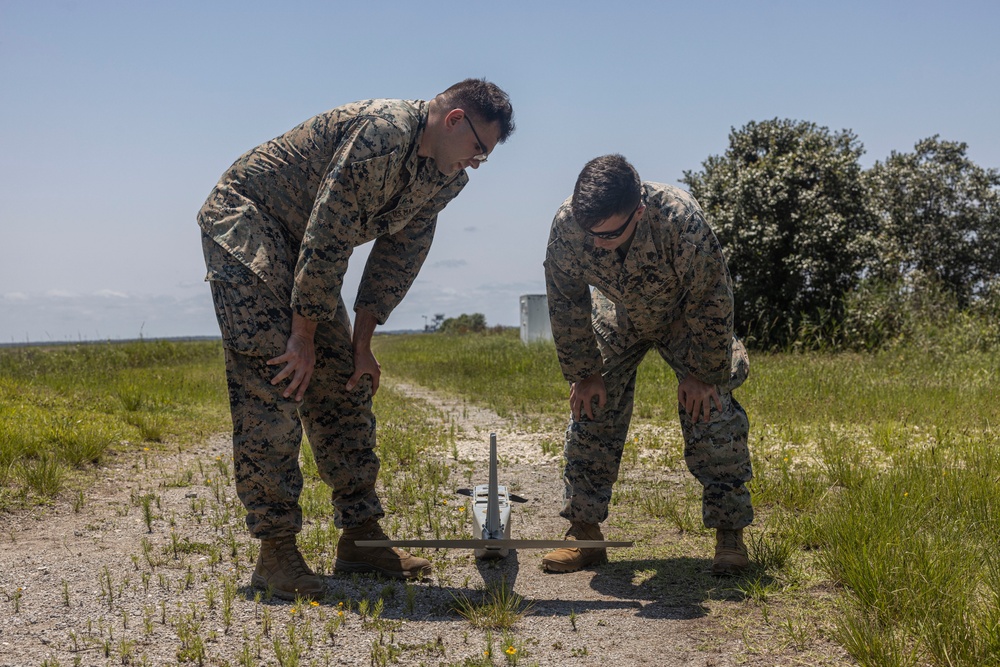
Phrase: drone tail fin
x=493 y=502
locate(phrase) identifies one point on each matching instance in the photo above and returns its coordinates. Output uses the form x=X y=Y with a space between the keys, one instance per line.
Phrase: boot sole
x=366 y=568
x=729 y=570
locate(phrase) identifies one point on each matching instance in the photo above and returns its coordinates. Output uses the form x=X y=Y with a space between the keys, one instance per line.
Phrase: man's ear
x=453 y=118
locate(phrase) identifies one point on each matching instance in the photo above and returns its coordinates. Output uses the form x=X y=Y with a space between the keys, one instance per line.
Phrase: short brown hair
x=486 y=100
x=607 y=186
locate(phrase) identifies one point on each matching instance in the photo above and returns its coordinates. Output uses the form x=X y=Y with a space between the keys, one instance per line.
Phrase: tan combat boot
x=282 y=570
x=730 y=552
x=388 y=561
x=569 y=559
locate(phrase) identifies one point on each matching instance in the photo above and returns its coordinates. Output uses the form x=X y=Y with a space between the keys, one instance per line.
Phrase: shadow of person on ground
x=672 y=588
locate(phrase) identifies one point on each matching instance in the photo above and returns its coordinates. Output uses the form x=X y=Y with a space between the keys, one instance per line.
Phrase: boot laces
x=289 y=553
x=729 y=539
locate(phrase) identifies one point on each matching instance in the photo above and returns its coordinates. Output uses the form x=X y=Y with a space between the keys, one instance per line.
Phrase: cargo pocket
x=251 y=319
x=740 y=368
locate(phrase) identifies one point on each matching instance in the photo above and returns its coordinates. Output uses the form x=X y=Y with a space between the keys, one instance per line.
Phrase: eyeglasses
x=615 y=233
x=482 y=157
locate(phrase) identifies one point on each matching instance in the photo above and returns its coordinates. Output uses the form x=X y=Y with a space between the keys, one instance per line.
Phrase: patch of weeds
x=662 y=504
x=181 y=480
x=152 y=428
x=131 y=396
x=551 y=447
x=769 y=551
x=500 y=607
x=186 y=546
x=44 y=475
x=756 y=589
x=79 y=443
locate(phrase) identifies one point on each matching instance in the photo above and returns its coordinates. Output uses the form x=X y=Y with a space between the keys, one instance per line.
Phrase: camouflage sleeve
x=708 y=307
x=336 y=225
x=396 y=259
x=569 y=315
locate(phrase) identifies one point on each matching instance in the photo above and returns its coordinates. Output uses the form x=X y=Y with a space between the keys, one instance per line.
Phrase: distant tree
x=434 y=324
x=939 y=216
x=464 y=323
x=788 y=204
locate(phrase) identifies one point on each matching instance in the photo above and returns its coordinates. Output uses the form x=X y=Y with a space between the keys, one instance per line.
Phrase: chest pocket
x=654 y=288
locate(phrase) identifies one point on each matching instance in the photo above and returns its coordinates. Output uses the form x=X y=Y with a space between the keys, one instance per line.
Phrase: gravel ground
x=91 y=584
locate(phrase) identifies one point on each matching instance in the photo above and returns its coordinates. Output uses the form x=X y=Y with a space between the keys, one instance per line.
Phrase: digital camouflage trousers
x=268 y=428
x=715 y=452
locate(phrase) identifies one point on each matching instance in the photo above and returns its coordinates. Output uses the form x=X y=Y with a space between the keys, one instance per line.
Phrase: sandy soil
x=92 y=585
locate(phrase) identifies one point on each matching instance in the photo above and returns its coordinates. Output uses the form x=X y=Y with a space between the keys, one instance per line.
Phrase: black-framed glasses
x=482 y=157
x=615 y=233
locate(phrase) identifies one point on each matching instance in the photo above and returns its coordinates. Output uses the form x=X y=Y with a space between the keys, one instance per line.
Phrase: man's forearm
x=364 y=329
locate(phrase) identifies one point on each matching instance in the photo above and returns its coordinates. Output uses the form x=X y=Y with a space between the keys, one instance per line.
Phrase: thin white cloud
x=450 y=264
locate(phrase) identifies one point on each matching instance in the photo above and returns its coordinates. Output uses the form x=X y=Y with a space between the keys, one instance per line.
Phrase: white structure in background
x=535 y=318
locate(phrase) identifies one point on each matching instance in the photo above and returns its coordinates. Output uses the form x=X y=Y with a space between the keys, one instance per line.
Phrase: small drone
x=491 y=505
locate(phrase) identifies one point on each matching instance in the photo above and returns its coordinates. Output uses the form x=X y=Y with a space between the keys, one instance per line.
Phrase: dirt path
x=153 y=569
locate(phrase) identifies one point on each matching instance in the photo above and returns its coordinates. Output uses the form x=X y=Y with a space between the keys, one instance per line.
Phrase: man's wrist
x=303 y=326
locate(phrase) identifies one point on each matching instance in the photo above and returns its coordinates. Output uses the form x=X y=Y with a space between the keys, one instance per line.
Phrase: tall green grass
x=881 y=470
x=917 y=550
x=63 y=408
x=876 y=474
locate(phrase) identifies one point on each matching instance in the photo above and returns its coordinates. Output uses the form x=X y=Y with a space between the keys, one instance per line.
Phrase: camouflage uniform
x=278 y=230
x=672 y=291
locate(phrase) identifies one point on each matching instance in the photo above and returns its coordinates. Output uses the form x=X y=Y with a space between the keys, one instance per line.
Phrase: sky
x=118 y=118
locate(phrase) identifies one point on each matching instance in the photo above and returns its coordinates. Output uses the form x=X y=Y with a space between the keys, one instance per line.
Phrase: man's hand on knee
x=582 y=393
x=696 y=397
x=299 y=358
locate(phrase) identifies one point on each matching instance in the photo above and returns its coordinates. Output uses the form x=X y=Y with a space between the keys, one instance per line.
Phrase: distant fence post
x=535 y=318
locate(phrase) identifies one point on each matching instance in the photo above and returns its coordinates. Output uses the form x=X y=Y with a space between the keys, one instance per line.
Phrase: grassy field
x=876 y=476
x=876 y=473
x=63 y=409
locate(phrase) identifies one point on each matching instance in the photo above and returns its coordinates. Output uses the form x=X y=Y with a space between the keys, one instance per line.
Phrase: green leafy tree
x=788 y=204
x=464 y=323
x=939 y=216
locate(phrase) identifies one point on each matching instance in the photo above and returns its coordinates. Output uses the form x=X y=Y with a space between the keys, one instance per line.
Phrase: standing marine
x=277 y=232
x=633 y=266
